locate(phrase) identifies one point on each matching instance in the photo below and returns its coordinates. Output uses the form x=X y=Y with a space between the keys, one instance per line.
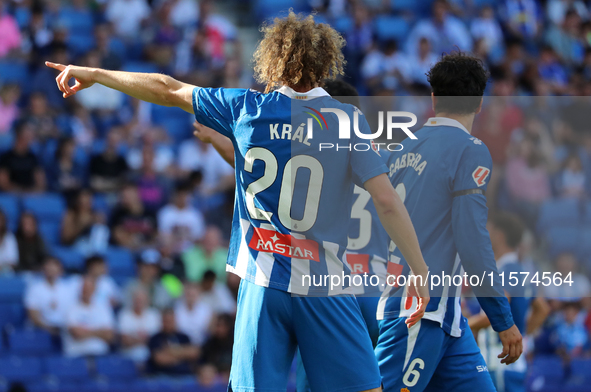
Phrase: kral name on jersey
x=409 y=160
x=284 y=132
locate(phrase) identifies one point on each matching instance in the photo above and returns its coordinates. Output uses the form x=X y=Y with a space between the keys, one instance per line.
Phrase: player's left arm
x=222 y=144
x=150 y=87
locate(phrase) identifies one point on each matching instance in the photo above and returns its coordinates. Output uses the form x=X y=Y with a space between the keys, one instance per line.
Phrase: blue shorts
x=332 y=337
x=508 y=380
x=369 y=307
x=425 y=358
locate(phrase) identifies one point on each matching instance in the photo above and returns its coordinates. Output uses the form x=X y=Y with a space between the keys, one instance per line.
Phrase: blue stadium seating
x=391 y=27
x=559 y=212
x=13 y=72
x=12 y=289
x=79 y=44
x=139 y=66
x=343 y=24
x=549 y=368
x=115 y=367
x=54 y=385
x=20 y=369
x=50 y=231
x=100 y=203
x=563 y=239
x=46 y=207
x=67 y=369
x=77 y=21
x=71 y=259
x=104 y=385
x=12 y=314
x=120 y=261
x=30 y=342
x=10 y=206
x=266 y=9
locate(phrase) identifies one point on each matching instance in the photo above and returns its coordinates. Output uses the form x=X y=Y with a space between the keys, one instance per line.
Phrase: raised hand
x=81 y=75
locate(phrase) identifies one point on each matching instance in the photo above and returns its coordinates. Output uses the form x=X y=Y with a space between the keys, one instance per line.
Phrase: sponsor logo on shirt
x=480 y=174
x=264 y=240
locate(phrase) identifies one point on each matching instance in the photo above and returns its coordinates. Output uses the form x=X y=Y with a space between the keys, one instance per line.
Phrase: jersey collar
x=507 y=258
x=445 y=121
x=314 y=93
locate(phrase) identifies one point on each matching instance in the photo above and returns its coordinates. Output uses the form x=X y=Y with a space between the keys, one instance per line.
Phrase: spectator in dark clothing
x=65 y=174
x=19 y=168
x=108 y=169
x=171 y=352
x=31 y=247
x=131 y=225
x=217 y=350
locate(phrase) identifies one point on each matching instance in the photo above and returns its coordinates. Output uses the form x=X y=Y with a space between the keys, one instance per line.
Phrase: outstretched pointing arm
x=150 y=87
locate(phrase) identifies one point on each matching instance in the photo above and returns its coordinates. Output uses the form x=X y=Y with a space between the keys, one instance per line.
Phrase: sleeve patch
x=480 y=174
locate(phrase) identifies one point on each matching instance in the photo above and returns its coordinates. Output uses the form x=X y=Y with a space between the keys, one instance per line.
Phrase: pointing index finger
x=59 y=67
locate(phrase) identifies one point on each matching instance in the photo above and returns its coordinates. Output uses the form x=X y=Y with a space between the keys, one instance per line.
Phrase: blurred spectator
x=444 y=32
x=8 y=246
x=83 y=129
x=99 y=97
x=10 y=37
x=171 y=352
x=43 y=78
x=153 y=152
x=385 y=70
x=107 y=170
x=110 y=59
x=65 y=174
x=183 y=13
x=487 y=28
x=566 y=39
x=31 y=246
x=131 y=224
x=90 y=324
x=41 y=118
x=422 y=63
x=136 y=325
x=170 y=261
x=9 y=96
x=180 y=221
x=105 y=290
x=209 y=254
x=84 y=228
x=571 y=179
x=359 y=39
x=19 y=167
x=152 y=186
x=48 y=300
x=217 y=350
x=556 y=10
x=551 y=71
x=566 y=263
x=571 y=337
x=216 y=294
x=127 y=17
x=522 y=19
x=148 y=279
x=193 y=316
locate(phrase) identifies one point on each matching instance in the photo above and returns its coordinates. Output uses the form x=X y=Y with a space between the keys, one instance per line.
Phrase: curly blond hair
x=298 y=52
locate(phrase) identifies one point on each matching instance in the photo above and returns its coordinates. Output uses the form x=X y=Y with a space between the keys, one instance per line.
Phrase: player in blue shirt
x=288 y=226
x=529 y=312
x=442 y=177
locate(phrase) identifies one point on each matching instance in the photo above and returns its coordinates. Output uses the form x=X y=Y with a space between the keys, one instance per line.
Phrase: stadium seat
x=30 y=342
x=563 y=239
x=79 y=44
x=391 y=27
x=50 y=231
x=559 y=212
x=46 y=207
x=20 y=369
x=11 y=314
x=67 y=369
x=177 y=128
x=71 y=259
x=120 y=261
x=13 y=72
x=266 y=9
x=10 y=206
x=343 y=24
x=77 y=21
x=115 y=367
x=549 y=368
x=139 y=66
x=100 y=203
x=12 y=289
x=54 y=385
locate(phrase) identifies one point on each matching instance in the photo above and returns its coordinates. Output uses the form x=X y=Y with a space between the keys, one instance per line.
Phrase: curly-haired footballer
x=289 y=227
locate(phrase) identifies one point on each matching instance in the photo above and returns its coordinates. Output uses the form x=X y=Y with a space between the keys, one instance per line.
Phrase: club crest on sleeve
x=375 y=148
x=480 y=174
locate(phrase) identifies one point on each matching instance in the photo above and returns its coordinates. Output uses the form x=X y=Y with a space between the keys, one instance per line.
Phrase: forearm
x=150 y=87
x=540 y=311
x=224 y=147
x=478 y=322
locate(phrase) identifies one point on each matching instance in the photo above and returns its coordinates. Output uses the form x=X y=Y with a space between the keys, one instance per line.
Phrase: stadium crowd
x=115 y=220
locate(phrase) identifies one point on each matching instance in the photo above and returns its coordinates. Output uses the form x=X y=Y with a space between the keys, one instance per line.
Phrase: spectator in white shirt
x=106 y=291
x=148 y=279
x=487 y=28
x=422 y=63
x=90 y=324
x=386 y=68
x=193 y=316
x=216 y=294
x=136 y=325
x=127 y=16
x=8 y=246
x=48 y=299
x=181 y=222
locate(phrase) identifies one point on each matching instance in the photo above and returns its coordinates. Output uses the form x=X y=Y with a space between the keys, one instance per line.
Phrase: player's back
x=292 y=199
x=428 y=174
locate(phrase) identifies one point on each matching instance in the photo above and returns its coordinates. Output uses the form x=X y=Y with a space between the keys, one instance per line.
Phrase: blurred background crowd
x=115 y=222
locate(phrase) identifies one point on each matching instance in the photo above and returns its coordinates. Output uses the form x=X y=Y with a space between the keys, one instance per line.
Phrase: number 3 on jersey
x=290 y=172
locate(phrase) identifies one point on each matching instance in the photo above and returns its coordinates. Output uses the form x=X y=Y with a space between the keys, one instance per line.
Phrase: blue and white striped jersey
x=293 y=200
x=441 y=177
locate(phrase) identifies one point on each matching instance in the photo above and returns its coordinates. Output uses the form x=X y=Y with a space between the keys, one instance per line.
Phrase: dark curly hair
x=458 y=80
x=298 y=52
